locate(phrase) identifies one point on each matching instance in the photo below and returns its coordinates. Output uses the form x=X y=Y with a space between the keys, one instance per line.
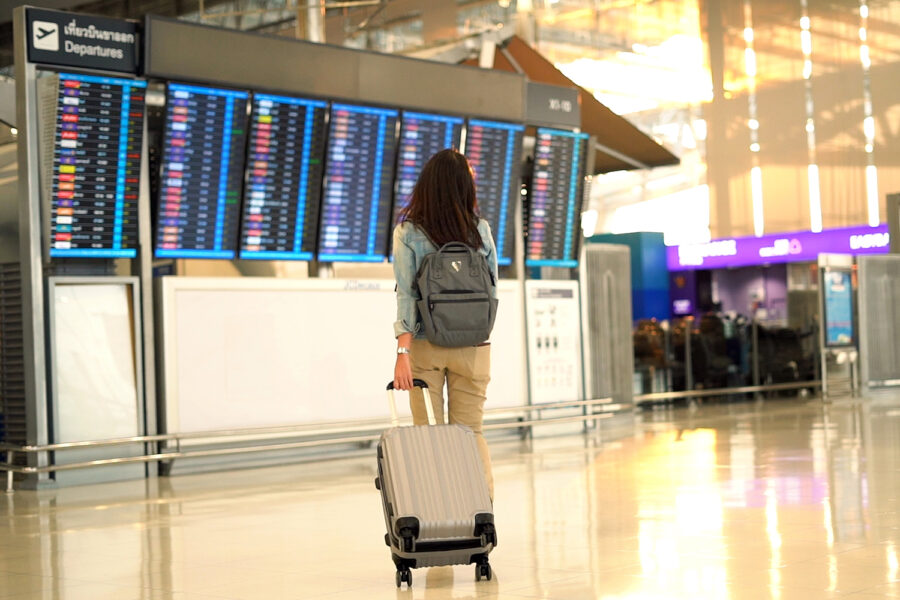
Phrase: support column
x=315 y=21
x=715 y=114
x=30 y=249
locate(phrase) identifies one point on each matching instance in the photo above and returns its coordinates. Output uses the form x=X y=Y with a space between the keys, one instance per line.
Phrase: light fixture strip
x=814 y=187
x=874 y=216
x=756 y=193
x=750 y=70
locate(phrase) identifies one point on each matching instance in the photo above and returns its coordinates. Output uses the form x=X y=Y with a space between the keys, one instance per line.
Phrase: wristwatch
x=402 y=350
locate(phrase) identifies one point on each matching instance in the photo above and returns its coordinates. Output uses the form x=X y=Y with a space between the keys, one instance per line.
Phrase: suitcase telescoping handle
x=428 y=408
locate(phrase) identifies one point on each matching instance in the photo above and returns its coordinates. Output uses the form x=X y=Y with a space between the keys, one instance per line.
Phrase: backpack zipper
x=431 y=303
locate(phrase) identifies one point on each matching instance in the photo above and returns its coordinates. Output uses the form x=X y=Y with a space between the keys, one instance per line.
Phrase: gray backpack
x=456 y=301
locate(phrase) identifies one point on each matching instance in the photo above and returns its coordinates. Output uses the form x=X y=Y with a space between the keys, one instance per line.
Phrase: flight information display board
x=202 y=172
x=359 y=174
x=421 y=137
x=494 y=150
x=96 y=166
x=284 y=179
x=554 y=207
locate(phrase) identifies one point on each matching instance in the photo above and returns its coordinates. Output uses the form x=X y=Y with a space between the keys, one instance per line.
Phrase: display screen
x=494 y=150
x=202 y=172
x=554 y=207
x=356 y=210
x=838 y=307
x=284 y=178
x=421 y=137
x=96 y=167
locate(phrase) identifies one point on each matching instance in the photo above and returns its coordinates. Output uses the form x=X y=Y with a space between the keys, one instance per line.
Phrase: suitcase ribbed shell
x=435 y=474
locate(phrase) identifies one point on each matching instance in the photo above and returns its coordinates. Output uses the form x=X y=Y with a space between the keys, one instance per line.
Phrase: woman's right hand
x=403 y=379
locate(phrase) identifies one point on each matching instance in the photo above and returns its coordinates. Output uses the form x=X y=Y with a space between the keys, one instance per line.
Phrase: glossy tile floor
x=783 y=499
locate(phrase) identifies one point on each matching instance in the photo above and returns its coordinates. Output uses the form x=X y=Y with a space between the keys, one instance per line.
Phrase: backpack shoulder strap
x=427 y=237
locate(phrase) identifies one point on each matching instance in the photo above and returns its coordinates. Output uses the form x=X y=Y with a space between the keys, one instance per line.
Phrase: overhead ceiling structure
x=620 y=145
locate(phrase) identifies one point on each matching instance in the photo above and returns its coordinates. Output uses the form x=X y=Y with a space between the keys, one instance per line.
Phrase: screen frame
x=364 y=259
x=395 y=198
x=47 y=203
x=504 y=261
x=827 y=327
x=182 y=254
x=580 y=138
x=240 y=253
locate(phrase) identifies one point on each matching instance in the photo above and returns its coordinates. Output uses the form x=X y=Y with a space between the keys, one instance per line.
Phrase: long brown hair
x=443 y=202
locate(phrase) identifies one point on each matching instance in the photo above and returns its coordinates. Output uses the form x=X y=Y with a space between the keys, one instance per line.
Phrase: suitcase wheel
x=404 y=574
x=483 y=570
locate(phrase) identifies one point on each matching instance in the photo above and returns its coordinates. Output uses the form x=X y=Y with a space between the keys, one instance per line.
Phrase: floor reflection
x=781 y=499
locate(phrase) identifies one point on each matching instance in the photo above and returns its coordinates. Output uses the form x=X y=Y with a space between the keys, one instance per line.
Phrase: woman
x=443 y=209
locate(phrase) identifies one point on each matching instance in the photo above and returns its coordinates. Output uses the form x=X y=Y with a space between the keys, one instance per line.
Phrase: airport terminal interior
x=695 y=362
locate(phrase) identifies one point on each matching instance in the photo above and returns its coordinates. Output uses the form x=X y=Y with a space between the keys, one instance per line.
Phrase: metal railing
x=713 y=392
x=323 y=434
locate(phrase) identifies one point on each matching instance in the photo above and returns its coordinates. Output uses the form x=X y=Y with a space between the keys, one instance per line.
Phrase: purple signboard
x=801 y=246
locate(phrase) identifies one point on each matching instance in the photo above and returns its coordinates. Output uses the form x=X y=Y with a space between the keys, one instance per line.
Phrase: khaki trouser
x=468 y=371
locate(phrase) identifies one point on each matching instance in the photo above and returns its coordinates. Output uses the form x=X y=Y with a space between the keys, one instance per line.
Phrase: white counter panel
x=508 y=385
x=256 y=352
x=95 y=385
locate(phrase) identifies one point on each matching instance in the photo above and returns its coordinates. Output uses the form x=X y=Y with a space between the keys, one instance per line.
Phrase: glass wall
x=647 y=62
x=802 y=107
x=740 y=327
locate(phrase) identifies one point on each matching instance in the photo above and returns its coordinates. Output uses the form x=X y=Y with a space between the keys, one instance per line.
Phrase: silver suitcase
x=437 y=507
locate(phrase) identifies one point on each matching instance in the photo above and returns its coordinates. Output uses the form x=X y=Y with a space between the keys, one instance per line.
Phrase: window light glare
x=757 y=196
x=870 y=148
x=804 y=23
x=862 y=33
x=892 y=562
x=806 y=42
x=872 y=195
x=700 y=129
x=750 y=62
x=864 y=11
x=753 y=124
x=14 y=131
x=754 y=147
x=869 y=127
x=748 y=35
x=589 y=220
x=810 y=126
x=807 y=69
x=815 y=199
x=864 y=56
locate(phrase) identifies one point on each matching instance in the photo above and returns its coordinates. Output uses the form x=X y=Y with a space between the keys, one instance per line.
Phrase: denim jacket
x=411 y=245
